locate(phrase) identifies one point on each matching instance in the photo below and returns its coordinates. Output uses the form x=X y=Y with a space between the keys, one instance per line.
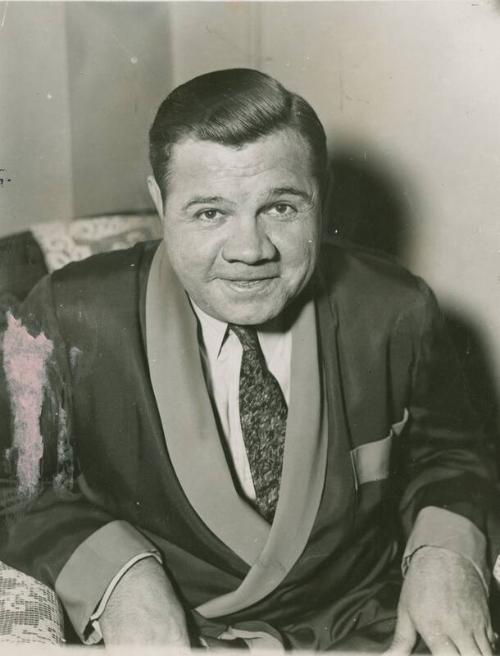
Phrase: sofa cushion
x=62 y=243
x=29 y=611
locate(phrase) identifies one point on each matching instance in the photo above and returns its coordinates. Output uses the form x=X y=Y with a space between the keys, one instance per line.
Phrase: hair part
x=233 y=107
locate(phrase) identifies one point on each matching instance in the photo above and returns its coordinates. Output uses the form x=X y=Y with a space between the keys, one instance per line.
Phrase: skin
x=444 y=601
x=241 y=224
x=144 y=610
x=242 y=254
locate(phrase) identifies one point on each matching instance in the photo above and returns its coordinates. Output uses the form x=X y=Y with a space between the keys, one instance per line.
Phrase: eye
x=209 y=216
x=281 y=210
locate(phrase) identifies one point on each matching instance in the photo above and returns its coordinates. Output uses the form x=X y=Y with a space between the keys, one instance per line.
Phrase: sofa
x=30 y=612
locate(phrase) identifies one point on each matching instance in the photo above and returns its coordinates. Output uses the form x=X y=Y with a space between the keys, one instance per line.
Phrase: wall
x=35 y=138
x=408 y=92
x=120 y=64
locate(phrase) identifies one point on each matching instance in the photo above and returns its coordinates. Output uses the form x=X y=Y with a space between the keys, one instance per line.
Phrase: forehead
x=279 y=158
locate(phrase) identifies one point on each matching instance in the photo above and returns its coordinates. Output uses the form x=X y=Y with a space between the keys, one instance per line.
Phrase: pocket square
x=371 y=461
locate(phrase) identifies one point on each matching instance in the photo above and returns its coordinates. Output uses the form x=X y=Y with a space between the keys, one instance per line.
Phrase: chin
x=253 y=319
x=254 y=314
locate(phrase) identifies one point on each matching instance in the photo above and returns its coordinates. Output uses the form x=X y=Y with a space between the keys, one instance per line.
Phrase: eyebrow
x=202 y=200
x=289 y=191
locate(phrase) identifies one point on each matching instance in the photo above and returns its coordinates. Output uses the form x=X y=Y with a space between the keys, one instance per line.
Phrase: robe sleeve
x=443 y=468
x=50 y=529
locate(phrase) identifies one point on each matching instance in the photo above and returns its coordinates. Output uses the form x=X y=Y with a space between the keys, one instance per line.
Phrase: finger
x=440 y=644
x=484 y=643
x=491 y=635
x=404 y=638
x=467 y=645
x=486 y=627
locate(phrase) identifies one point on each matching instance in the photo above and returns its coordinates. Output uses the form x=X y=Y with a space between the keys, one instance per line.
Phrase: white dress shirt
x=221 y=353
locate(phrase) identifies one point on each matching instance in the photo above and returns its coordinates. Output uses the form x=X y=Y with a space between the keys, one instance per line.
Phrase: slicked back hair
x=233 y=107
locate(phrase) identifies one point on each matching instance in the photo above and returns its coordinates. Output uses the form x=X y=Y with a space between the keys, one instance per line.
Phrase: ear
x=155 y=193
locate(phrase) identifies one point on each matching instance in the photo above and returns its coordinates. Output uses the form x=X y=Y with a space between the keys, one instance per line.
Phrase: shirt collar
x=213 y=331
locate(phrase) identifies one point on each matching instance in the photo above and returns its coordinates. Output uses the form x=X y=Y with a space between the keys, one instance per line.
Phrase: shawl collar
x=196 y=452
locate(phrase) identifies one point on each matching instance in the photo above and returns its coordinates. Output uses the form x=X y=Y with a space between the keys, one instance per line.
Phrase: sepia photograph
x=250 y=326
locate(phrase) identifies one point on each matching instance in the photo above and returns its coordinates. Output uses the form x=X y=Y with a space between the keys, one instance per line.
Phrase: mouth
x=246 y=285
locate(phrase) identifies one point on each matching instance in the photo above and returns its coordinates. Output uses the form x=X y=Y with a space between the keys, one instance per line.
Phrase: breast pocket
x=371 y=461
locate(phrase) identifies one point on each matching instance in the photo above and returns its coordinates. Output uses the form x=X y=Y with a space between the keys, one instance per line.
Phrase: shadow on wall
x=369 y=205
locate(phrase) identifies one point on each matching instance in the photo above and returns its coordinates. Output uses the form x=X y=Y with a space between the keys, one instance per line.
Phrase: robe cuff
x=440 y=528
x=92 y=567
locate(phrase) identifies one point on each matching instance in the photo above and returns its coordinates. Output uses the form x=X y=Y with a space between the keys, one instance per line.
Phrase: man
x=255 y=425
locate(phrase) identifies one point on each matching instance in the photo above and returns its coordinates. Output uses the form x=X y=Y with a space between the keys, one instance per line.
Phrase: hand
x=443 y=599
x=144 y=610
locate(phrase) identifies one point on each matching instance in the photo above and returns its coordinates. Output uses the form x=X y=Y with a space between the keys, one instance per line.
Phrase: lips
x=249 y=284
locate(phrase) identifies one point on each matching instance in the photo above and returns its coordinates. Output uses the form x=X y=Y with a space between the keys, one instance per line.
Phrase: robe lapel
x=196 y=452
x=341 y=479
x=193 y=443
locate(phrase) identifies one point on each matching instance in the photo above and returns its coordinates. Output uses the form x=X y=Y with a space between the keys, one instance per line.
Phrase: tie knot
x=247 y=336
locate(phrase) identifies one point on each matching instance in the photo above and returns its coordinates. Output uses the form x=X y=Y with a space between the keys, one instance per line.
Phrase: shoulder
x=103 y=274
x=370 y=284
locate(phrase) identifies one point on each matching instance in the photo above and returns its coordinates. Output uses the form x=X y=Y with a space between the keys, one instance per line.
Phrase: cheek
x=191 y=253
x=298 y=251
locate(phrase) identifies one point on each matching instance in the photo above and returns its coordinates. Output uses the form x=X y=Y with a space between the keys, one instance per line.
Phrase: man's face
x=242 y=224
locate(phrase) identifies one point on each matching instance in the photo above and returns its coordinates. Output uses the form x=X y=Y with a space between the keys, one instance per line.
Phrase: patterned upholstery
x=30 y=611
x=62 y=243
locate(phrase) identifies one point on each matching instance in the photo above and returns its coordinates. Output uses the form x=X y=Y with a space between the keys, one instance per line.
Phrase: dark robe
x=379 y=429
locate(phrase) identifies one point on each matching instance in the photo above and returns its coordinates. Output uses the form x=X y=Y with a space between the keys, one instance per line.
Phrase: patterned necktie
x=263 y=413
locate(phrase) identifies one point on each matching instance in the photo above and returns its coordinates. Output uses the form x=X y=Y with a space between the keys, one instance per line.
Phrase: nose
x=248 y=242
